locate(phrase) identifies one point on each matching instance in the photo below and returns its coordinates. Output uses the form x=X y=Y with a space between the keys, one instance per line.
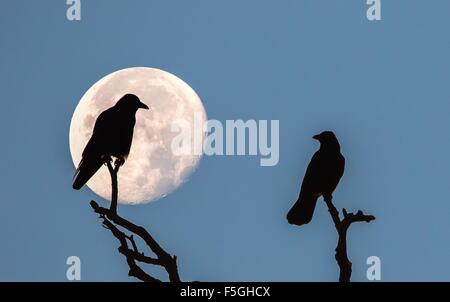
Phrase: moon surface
x=151 y=170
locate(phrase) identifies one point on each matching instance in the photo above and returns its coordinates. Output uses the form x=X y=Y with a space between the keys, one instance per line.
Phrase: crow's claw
x=106 y=159
x=119 y=161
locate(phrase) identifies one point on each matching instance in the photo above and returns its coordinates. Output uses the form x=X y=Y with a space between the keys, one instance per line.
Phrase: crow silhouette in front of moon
x=112 y=136
x=321 y=178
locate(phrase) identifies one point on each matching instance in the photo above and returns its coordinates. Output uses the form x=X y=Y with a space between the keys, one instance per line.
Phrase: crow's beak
x=143 y=106
x=317 y=137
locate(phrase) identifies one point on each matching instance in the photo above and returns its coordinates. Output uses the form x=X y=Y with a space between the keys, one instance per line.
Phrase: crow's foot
x=119 y=161
x=328 y=197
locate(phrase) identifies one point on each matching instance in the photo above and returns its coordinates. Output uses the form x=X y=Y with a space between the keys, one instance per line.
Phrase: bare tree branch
x=342 y=227
x=111 y=220
x=135 y=270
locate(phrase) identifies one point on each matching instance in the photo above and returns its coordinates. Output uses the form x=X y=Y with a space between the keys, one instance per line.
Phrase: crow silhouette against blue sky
x=112 y=136
x=321 y=178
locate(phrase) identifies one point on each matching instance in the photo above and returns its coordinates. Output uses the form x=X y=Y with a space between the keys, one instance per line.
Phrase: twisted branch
x=342 y=227
x=111 y=221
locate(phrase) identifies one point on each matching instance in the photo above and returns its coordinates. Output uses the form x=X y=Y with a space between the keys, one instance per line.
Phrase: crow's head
x=327 y=139
x=131 y=102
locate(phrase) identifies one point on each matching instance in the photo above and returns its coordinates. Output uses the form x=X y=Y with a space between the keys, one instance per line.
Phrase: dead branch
x=342 y=227
x=111 y=221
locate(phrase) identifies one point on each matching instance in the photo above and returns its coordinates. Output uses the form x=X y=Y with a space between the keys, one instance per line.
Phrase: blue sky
x=313 y=65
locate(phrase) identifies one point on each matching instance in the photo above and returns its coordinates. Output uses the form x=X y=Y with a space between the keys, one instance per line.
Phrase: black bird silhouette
x=321 y=178
x=112 y=136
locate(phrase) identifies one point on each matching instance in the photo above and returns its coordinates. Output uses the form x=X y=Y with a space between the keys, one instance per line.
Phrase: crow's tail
x=87 y=168
x=302 y=211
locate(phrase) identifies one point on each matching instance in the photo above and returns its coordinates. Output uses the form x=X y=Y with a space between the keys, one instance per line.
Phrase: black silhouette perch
x=321 y=179
x=112 y=137
x=111 y=220
x=342 y=226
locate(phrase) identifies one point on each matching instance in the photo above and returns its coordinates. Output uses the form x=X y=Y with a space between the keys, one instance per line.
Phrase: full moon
x=151 y=170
